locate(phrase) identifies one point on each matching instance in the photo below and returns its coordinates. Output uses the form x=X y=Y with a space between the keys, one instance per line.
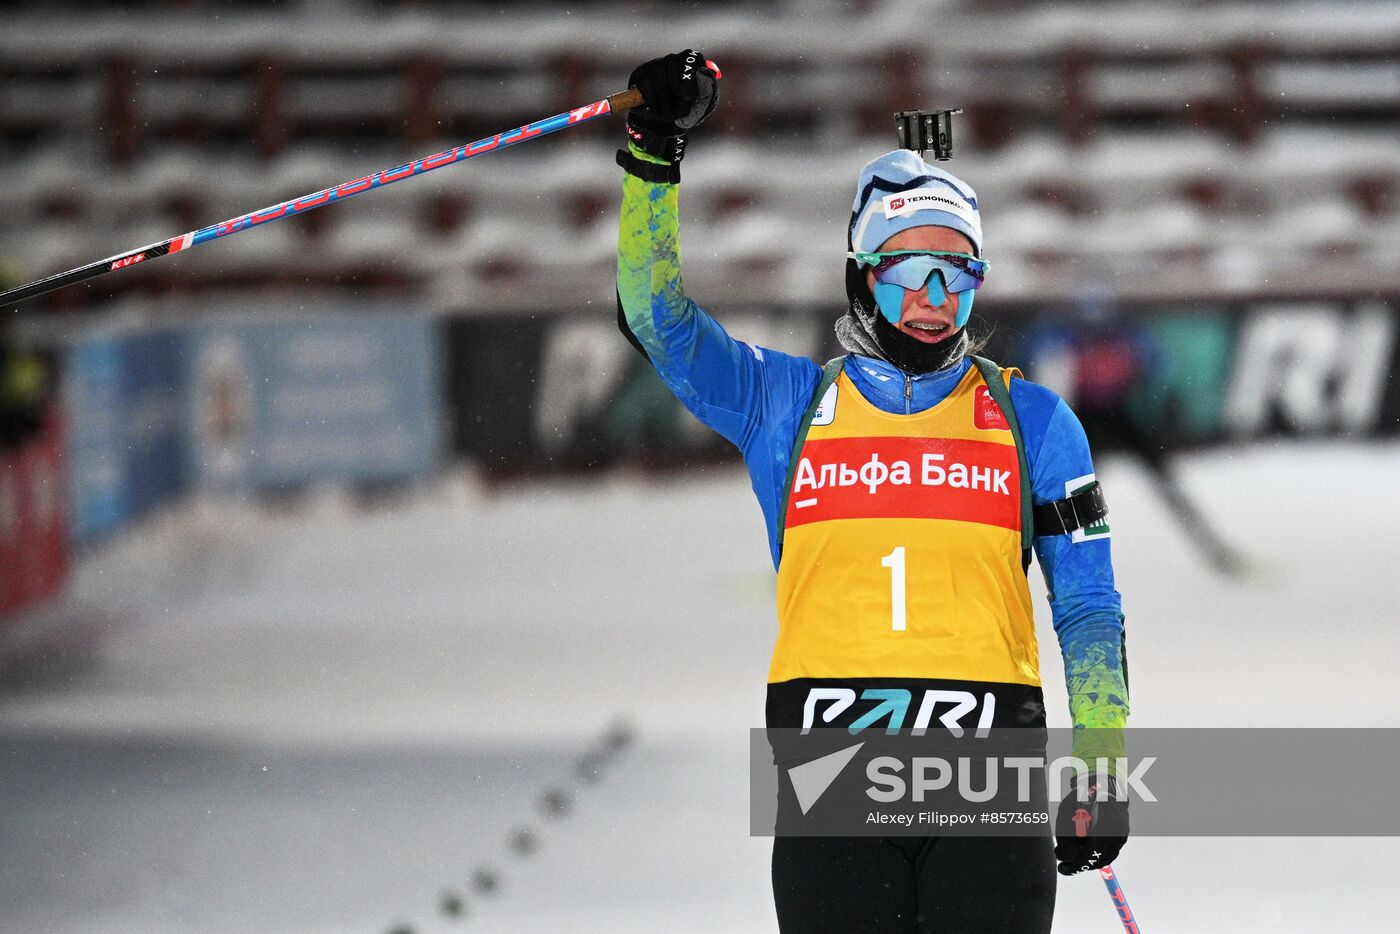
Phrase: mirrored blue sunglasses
x=911 y=269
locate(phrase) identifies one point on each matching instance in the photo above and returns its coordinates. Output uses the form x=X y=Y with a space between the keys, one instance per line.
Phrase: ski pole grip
x=626 y=100
x=632 y=98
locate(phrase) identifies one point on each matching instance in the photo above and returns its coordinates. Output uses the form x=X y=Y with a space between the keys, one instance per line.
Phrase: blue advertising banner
x=125 y=399
x=254 y=405
x=328 y=399
x=96 y=470
x=155 y=440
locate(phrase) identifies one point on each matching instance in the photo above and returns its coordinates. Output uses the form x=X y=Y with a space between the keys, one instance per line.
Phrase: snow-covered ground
x=324 y=719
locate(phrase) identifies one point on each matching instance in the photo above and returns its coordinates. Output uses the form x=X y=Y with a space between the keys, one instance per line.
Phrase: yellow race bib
x=902 y=545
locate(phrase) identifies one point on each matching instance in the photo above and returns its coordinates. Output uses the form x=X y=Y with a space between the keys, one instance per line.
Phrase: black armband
x=1071 y=513
x=648 y=171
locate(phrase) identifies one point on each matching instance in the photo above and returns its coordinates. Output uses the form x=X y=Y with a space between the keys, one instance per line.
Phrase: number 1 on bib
x=895 y=562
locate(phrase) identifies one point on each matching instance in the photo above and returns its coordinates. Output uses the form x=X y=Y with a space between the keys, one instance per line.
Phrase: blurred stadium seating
x=1164 y=150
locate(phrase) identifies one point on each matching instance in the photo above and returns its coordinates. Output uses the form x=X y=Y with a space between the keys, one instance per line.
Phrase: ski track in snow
x=321 y=719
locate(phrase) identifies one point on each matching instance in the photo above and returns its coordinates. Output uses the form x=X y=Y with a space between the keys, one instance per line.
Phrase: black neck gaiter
x=914 y=356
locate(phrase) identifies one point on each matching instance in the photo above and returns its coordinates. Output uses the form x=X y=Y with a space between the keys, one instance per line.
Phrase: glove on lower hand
x=678 y=92
x=1089 y=834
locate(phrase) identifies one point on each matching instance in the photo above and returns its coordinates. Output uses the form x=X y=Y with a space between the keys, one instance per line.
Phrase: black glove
x=1089 y=834
x=678 y=92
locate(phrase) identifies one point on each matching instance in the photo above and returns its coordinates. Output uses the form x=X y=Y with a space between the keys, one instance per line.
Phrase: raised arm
x=723 y=382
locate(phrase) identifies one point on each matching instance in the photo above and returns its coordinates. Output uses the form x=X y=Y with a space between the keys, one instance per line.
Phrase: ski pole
x=1120 y=901
x=625 y=100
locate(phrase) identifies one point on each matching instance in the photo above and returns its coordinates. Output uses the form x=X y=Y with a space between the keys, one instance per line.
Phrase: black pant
x=914 y=885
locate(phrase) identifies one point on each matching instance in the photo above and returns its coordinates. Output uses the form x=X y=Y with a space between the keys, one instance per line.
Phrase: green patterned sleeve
x=1096 y=679
x=649 y=262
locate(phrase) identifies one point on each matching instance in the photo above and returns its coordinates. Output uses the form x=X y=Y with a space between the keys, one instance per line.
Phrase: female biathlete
x=908 y=465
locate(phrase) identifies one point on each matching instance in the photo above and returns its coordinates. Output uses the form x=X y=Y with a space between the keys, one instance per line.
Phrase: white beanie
x=899 y=190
